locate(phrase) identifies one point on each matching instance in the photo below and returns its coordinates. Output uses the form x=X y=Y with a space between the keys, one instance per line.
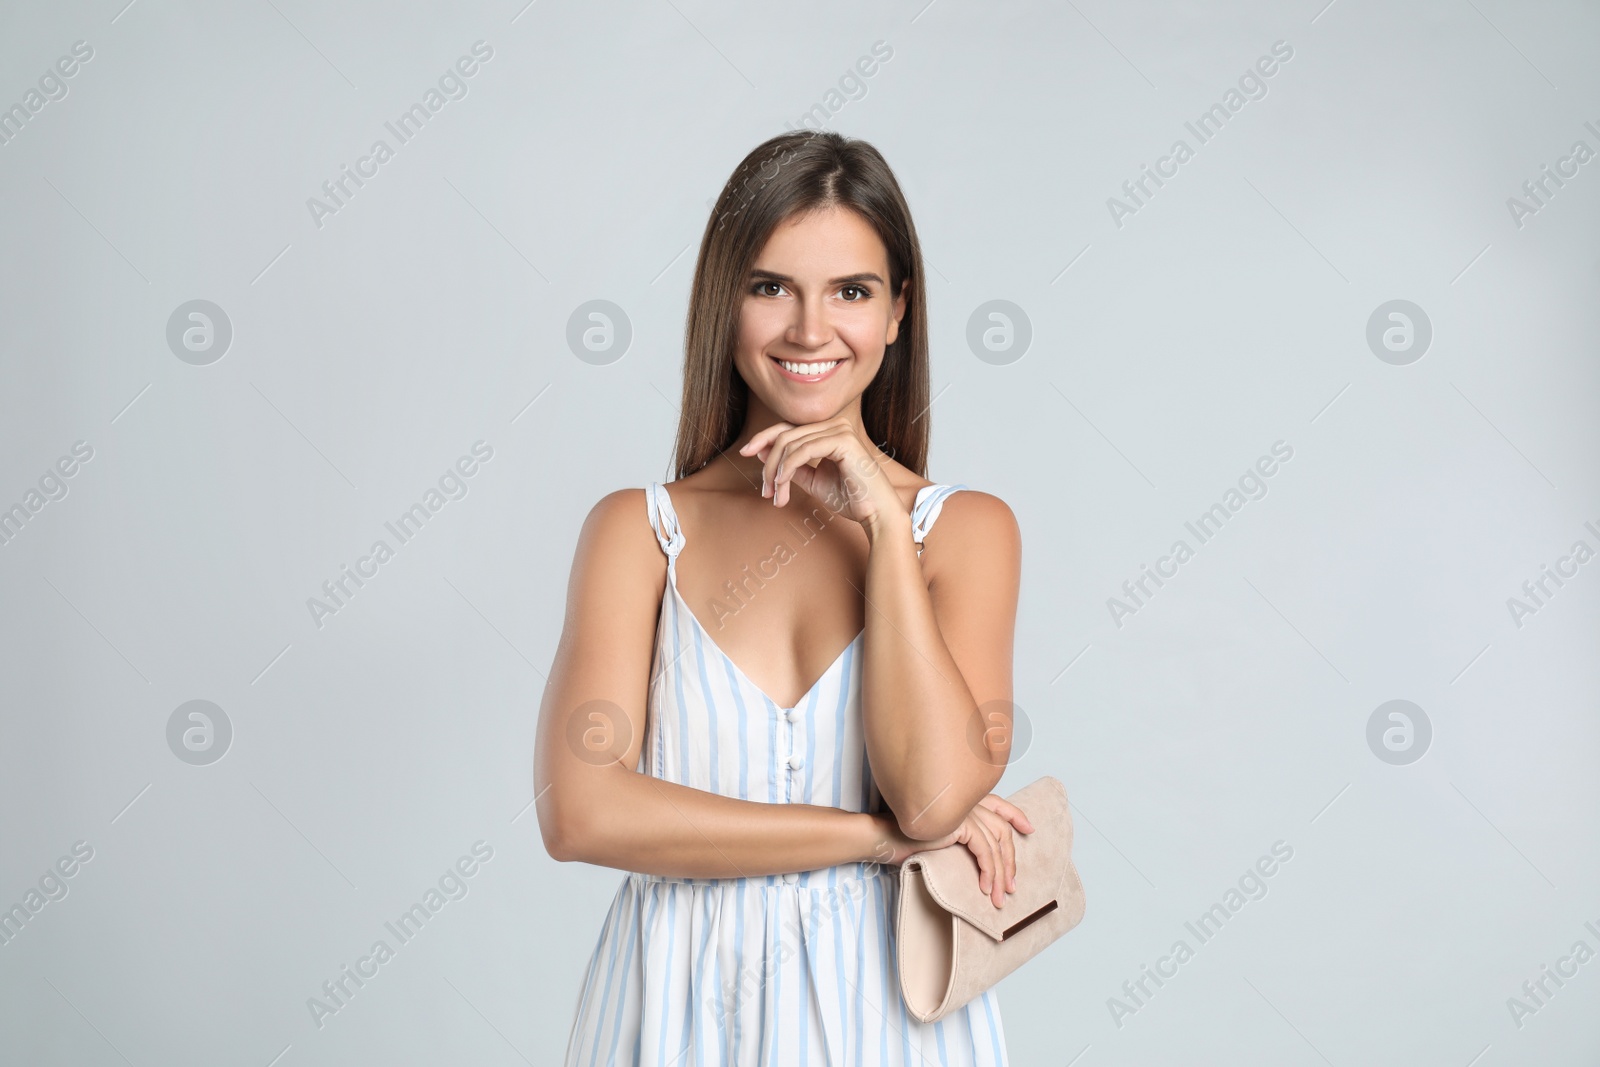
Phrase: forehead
x=824 y=243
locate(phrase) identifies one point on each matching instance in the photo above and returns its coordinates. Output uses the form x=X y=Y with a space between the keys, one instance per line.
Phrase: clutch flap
x=1046 y=878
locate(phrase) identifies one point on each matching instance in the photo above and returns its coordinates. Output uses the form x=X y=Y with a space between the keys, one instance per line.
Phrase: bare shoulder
x=619 y=512
x=972 y=517
x=975 y=533
x=617 y=536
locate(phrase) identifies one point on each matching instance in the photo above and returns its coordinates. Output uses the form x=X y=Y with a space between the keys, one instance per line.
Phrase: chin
x=787 y=409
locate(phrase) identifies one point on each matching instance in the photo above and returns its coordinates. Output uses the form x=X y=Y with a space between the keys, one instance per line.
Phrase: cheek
x=758 y=326
x=864 y=337
x=866 y=346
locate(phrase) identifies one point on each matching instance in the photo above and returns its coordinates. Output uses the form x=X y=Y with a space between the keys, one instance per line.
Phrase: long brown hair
x=790 y=174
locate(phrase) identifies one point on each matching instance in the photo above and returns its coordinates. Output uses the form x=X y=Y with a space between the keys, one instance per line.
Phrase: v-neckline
x=672 y=588
x=694 y=620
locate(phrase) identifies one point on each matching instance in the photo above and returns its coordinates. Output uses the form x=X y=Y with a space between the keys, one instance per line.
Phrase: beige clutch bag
x=953 y=943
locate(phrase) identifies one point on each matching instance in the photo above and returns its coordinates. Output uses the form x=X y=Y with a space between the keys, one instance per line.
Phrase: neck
x=758 y=417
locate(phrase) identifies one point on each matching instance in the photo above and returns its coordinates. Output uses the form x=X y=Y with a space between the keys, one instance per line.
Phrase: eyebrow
x=864 y=276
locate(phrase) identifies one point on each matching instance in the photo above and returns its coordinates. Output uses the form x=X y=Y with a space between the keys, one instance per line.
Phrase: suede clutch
x=952 y=942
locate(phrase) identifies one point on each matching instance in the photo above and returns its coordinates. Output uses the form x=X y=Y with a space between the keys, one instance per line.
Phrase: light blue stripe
x=622 y=994
x=592 y=972
x=837 y=919
x=841 y=709
x=644 y=947
x=672 y=938
x=861 y=967
x=605 y=998
x=738 y=989
x=698 y=986
x=878 y=911
x=723 y=1035
x=803 y=975
x=777 y=989
x=742 y=716
x=744 y=735
x=994 y=1028
x=711 y=708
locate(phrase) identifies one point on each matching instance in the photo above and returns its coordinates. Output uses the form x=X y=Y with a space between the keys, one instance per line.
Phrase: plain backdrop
x=1144 y=359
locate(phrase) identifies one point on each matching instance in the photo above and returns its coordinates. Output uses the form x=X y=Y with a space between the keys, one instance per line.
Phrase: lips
x=807 y=370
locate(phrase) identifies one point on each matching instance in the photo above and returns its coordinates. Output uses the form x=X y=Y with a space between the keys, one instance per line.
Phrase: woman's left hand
x=828 y=461
x=988 y=832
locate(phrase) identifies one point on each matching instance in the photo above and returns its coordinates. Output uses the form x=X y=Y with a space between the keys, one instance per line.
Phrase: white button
x=796 y=762
x=788 y=713
x=791 y=877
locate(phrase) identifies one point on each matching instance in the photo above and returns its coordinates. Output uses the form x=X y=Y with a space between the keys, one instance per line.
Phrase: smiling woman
x=762 y=786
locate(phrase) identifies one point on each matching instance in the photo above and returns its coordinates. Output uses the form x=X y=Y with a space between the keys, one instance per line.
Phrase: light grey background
x=1167 y=354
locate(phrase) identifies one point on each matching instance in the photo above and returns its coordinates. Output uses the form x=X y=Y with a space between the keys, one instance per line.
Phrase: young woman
x=777 y=678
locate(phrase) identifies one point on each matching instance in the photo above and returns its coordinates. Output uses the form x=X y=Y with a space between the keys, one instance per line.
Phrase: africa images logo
x=1209 y=123
x=452 y=86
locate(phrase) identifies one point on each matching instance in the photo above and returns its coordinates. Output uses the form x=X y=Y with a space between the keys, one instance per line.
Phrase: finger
x=1008 y=851
x=761 y=438
x=997 y=886
x=983 y=851
x=990 y=880
x=992 y=821
x=801 y=452
x=792 y=458
x=809 y=479
x=776 y=444
x=768 y=444
x=1000 y=830
x=1012 y=813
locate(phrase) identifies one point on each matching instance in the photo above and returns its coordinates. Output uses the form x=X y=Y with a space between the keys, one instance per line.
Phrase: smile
x=807 y=372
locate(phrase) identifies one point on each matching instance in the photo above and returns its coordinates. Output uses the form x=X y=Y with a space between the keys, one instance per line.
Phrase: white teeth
x=808 y=369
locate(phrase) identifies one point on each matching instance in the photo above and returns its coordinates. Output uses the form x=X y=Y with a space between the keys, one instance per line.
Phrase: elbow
x=561 y=834
x=577 y=818
x=926 y=830
x=929 y=821
x=557 y=842
x=558 y=846
x=939 y=811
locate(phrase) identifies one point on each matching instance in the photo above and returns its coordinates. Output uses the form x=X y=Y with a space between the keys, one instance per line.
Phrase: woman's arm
x=592 y=806
x=936 y=682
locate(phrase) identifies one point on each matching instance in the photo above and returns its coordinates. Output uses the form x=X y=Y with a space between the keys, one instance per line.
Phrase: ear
x=899 y=311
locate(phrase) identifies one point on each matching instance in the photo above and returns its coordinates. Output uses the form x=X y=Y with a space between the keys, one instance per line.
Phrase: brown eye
x=759 y=286
x=864 y=293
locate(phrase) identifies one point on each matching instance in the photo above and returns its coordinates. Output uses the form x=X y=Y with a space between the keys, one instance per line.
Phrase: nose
x=810 y=328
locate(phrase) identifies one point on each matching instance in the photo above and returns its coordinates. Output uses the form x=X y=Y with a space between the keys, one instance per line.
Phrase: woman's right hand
x=987 y=833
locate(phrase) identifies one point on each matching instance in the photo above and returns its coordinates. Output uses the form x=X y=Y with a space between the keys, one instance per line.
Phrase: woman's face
x=816 y=316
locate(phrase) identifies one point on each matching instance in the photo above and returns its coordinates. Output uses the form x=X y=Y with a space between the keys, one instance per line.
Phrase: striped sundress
x=778 y=969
